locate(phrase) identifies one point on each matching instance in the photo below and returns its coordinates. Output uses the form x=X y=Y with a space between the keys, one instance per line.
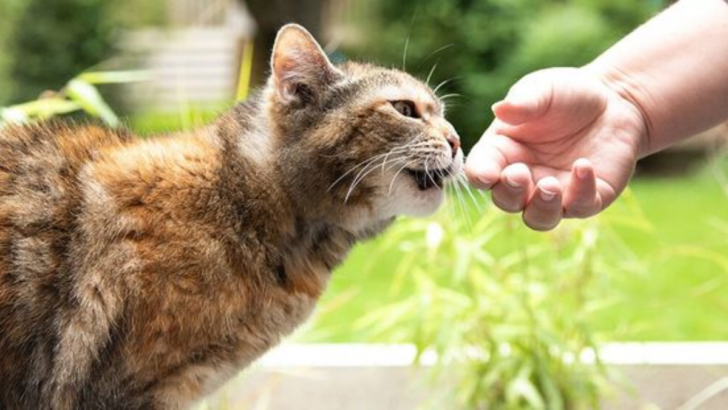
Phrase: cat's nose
x=454 y=141
x=451 y=136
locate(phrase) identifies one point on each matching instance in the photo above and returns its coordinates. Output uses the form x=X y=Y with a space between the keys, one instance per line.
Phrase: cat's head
x=357 y=140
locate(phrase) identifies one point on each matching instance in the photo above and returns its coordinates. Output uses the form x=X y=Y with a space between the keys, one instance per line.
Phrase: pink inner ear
x=296 y=55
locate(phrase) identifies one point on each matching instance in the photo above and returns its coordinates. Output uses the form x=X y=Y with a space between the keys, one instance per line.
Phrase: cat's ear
x=300 y=66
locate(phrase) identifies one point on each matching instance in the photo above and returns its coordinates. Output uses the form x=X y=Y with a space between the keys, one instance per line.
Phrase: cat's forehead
x=393 y=85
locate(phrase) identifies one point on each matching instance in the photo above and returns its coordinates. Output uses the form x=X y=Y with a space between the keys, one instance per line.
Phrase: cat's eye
x=406 y=108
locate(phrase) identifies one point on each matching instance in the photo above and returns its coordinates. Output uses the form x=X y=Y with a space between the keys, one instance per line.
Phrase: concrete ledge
x=339 y=376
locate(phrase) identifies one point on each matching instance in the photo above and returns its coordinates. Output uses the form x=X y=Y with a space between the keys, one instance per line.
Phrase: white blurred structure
x=196 y=59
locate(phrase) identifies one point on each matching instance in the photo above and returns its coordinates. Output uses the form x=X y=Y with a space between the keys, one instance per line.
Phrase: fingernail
x=546 y=195
x=582 y=172
x=480 y=181
x=512 y=183
x=484 y=183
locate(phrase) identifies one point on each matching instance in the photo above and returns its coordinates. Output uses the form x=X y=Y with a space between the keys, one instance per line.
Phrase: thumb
x=527 y=100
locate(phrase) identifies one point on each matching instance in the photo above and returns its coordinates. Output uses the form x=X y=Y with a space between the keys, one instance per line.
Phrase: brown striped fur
x=141 y=274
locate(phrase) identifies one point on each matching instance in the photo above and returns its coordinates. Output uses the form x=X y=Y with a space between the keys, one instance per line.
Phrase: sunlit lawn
x=680 y=294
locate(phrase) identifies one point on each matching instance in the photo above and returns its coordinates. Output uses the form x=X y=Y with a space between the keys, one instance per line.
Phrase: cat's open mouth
x=428 y=179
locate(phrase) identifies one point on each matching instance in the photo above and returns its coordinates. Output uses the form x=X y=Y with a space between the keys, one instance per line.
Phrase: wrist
x=628 y=91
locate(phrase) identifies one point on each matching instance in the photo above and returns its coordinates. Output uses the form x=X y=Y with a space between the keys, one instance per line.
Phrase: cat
x=143 y=273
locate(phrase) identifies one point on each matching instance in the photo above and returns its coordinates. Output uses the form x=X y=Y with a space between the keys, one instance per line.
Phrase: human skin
x=566 y=140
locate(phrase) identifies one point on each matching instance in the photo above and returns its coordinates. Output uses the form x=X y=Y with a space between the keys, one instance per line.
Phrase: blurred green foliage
x=508 y=328
x=484 y=46
x=53 y=41
x=44 y=43
x=8 y=11
x=81 y=94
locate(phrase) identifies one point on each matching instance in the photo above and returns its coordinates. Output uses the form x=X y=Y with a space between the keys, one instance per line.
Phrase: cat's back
x=40 y=173
x=41 y=162
x=40 y=176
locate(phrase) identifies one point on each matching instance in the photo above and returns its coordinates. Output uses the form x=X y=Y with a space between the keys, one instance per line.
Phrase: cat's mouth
x=427 y=179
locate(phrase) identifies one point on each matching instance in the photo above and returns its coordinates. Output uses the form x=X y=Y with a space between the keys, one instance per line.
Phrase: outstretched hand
x=563 y=145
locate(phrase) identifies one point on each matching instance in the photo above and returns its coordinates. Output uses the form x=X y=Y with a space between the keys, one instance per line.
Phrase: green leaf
x=115 y=77
x=41 y=109
x=521 y=387
x=89 y=98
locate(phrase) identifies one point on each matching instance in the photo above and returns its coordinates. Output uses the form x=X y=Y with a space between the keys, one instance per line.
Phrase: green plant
x=79 y=94
x=506 y=312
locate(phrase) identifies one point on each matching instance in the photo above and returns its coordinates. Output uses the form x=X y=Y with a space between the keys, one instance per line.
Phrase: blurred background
x=651 y=268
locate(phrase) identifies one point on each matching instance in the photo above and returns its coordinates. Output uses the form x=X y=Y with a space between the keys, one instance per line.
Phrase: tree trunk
x=270 y=16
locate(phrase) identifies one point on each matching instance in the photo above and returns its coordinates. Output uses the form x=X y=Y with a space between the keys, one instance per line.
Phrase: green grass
x=675 y=229
x=683 y=295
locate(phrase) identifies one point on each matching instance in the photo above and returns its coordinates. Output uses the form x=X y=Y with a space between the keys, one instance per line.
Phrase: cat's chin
x=424 y=202
x=420 y=193
x=407 y=198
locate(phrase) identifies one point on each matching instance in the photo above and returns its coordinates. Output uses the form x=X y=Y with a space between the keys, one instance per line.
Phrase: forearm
x=674 y=69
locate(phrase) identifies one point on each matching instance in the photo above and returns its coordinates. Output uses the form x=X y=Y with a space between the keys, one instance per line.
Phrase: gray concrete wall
x=401 y=388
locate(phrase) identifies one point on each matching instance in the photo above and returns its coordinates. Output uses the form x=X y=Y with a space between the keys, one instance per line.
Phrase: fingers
x=514 y=188
x=484 y=165
x=544 y=210
x=546 y=203
x=581 y=198
x=486 y=160
x=490 y=156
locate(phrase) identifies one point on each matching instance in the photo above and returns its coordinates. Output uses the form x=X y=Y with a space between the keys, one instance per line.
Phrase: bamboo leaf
x=89 y=98
x=115 y=77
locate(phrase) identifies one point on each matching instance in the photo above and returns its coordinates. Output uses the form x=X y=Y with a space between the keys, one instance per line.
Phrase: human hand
x=564 y=145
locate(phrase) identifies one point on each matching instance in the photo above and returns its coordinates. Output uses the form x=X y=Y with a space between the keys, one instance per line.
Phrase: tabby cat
x=143 y=273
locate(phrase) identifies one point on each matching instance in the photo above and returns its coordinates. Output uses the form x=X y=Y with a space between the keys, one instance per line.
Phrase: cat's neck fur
x=251 y=143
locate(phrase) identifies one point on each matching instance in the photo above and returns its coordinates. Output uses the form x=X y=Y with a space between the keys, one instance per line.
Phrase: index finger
x=490 y=156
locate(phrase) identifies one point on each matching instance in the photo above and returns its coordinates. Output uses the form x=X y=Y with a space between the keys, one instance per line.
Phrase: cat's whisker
x=432 y=54
x=366 y=161
x=453 y=197
x=406 y=43
x=391 y=184
x=429 y=76
x=461 y=197
x=469 y=190
x=360 y=177
x=400 y=160
x=363 y=163
x=358 y=181
x=463 y=181
x=427 y=159
x=367 y=166
x=443 y=83
x=396 y=163
x=464 y=205
x=404 y=55
x=409 y=146
x=393 y=163
x=451 y=95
